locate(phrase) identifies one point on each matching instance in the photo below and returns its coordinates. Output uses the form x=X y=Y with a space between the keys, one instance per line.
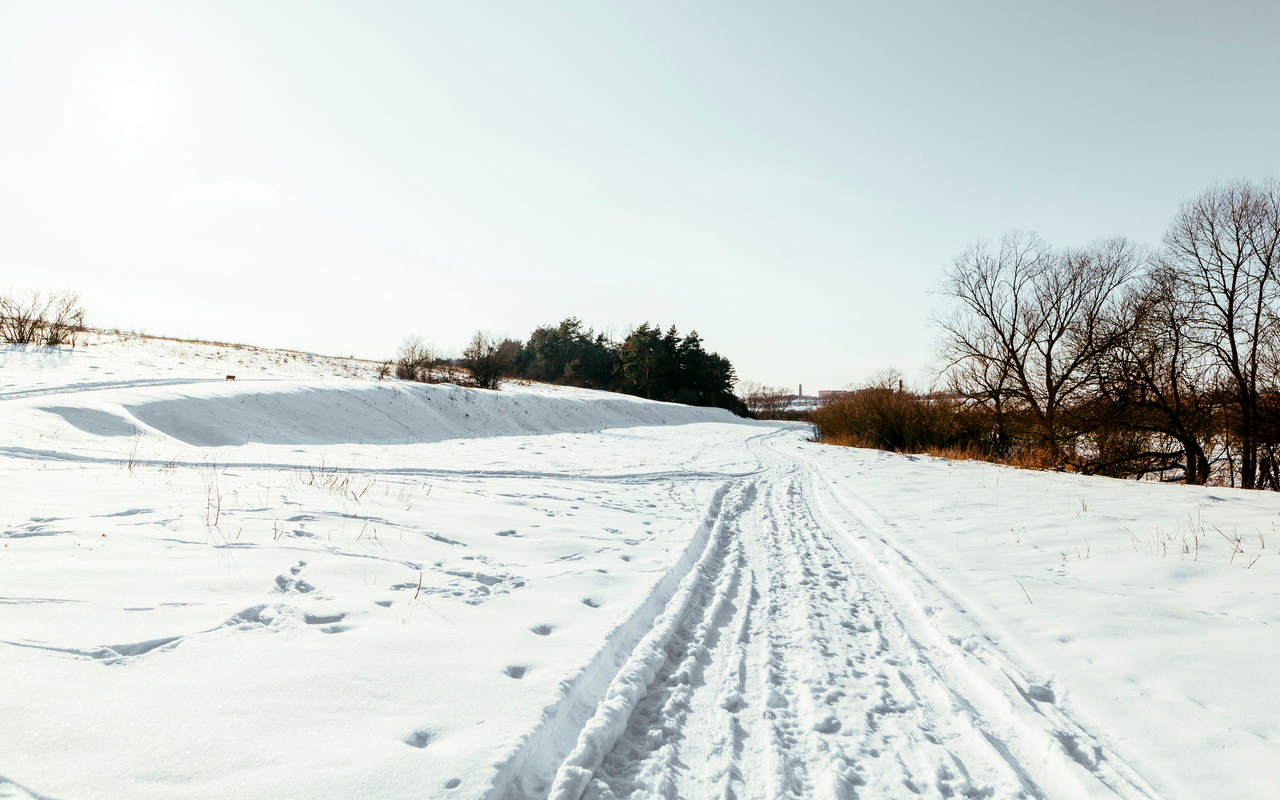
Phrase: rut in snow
x=788 y=676
x=787 y=669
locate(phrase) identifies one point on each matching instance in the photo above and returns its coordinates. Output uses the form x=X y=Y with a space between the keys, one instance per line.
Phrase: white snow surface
x=312 y=583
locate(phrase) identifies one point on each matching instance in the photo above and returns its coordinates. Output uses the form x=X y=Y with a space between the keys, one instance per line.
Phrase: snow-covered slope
x=92 y=392
x=308 y=582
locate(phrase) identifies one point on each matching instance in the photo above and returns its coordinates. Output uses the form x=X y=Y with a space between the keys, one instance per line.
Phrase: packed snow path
x=787 y=673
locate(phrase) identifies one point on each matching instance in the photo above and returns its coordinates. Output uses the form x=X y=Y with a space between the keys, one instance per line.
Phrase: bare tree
x=1030 y=321
x=1154 y=383
x=1224 y=249
x=765 y=402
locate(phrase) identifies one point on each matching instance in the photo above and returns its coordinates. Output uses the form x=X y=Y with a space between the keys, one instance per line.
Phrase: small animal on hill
x=231 y=377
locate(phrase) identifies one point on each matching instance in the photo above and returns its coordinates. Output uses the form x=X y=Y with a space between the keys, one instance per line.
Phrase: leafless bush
x=888 y=417
x=489 y=361
x=416 y=361
x=765 y=402
x=41 y=319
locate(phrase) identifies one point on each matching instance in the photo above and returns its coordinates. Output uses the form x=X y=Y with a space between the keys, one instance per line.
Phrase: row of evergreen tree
x=649 y=362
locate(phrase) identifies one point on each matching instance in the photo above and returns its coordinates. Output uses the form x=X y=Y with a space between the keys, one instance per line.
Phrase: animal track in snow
x=471 y=586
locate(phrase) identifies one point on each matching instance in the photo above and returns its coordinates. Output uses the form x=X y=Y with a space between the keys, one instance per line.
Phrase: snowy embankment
x=308 y=582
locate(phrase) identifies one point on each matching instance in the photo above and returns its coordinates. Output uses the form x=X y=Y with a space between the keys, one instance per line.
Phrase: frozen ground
x=309 y=583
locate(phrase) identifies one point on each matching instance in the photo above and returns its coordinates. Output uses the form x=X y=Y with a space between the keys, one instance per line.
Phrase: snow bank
x=183 y=394
x=393 y=413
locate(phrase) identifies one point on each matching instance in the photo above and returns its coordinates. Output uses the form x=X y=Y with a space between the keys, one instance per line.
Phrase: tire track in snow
x=786 y=678
x=979 y=678
x=871 y=715
x=662 y=476
x=580 y=727
x=795 y=668
x=696 y=610
x=97 y=386
x=667 y=718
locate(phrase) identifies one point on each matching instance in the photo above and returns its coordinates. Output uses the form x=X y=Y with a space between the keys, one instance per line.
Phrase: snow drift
x=396 y=413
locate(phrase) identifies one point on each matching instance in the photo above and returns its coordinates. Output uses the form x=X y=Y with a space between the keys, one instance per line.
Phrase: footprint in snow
x=591 y=602
x=284 y=584
x=516 y=671
x=543 y=630
x=323 y=619
x=419 y=738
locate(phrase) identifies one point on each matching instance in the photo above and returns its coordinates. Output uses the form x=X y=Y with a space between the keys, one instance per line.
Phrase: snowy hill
x=309 y=582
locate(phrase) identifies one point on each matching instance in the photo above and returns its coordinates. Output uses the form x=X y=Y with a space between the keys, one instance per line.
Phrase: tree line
x=649 y=362
x=1113 y=359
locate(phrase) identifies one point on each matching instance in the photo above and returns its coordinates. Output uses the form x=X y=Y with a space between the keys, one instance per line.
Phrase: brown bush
x=39 y=319
x=894 y=419
x=489 y=360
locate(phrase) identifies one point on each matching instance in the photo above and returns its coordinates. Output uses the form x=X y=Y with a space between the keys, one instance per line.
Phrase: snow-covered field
x=311 y=583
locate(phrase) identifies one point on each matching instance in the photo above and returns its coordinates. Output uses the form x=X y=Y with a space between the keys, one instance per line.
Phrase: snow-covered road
x=788 y=672
x=312 y=583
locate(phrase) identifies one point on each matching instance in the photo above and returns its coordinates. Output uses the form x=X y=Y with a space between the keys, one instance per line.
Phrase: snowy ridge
x=311 y=413
x=274 y=405
x=394 y=413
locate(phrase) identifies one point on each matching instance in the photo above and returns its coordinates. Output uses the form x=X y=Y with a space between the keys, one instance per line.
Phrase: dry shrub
x=416 y=361
x=887 y=418
x=893 y=419
x=40 y=319
x=489 y=360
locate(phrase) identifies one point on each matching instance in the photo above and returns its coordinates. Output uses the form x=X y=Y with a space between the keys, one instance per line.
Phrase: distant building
x=832 y=395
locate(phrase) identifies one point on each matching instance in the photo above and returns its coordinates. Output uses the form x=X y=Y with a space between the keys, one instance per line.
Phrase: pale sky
x=790 y=179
